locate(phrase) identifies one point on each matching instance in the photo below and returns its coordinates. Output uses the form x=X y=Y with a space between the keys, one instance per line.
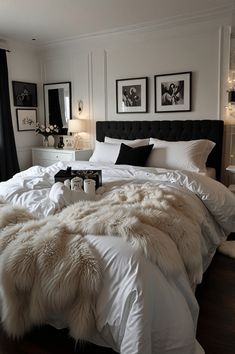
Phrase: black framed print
x=173 y=92
x=26 y=119
x=24 y=94
x=131 y=95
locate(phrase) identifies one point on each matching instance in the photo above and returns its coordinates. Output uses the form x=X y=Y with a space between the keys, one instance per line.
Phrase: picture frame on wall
x=132 y=95
x=26 y=119
x=173 y=92
x=24 y=94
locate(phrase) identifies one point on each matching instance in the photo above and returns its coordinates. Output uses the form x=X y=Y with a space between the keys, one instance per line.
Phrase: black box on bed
x=96 y=175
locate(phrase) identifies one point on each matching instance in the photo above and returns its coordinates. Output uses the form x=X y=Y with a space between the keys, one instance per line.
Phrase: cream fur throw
x=227 y=248
x=47 y=267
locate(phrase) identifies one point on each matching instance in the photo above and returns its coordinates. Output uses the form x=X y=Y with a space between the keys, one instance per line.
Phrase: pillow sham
x=105 y=152
x=184 y=155
x=134 y=143
x=136 y=156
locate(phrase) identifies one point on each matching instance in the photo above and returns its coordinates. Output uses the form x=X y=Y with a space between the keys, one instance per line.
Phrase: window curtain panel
x=8 y=156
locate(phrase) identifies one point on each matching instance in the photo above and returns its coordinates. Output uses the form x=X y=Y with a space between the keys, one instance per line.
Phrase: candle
x=89 y=187
x=76 y=183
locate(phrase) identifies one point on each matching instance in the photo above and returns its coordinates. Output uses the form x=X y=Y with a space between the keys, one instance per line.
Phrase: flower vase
x=51 y=140
x=45 y=141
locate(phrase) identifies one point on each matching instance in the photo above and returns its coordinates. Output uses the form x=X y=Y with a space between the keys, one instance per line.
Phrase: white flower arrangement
x=46 y=131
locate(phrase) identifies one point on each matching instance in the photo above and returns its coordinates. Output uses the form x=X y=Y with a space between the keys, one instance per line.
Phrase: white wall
x=23 y=65
x=94 y=64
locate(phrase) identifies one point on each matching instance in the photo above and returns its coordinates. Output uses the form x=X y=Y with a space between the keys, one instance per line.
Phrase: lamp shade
x=74 y=126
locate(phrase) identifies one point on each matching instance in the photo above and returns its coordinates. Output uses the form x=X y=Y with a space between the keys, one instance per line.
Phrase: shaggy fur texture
x=47 y=267
x=159 y=221
x=227 y=248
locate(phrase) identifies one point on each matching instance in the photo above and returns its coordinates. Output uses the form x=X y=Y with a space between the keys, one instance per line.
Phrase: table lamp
x=75 y=127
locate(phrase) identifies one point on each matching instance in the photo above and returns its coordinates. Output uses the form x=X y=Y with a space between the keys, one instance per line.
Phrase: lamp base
x=76 y=142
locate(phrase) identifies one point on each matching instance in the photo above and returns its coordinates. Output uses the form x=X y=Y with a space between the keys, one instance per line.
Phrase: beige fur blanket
x=47 y=267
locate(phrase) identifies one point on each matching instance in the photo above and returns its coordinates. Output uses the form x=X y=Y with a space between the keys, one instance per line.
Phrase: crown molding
x=166 y=23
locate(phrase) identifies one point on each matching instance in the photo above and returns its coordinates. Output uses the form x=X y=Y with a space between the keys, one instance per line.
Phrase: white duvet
x=138 y=311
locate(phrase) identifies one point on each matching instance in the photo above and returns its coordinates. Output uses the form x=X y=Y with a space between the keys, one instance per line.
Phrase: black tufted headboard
x=168 y=130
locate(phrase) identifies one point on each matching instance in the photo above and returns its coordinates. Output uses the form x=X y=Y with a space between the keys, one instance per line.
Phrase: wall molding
x=106 y=84
x=90 y=92
x=166 y=23
x=219 y=72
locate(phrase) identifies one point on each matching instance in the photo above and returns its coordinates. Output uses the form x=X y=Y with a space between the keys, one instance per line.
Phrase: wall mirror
x=57 y=101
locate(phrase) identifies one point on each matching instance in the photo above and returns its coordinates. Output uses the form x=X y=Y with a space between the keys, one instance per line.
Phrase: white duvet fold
x=139 y=309
x=146 y=217
x=24 y=187
x=62 y=196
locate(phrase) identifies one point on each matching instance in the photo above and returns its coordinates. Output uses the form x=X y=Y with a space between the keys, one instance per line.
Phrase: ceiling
x=48 y=21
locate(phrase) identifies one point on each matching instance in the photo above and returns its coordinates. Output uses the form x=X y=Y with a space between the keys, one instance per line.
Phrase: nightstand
x=47 y=156
x=231 y=169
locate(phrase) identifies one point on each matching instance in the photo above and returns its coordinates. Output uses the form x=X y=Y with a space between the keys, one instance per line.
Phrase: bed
x=121 y=270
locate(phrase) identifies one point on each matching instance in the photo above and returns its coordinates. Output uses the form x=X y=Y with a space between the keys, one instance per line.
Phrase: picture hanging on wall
x=173 y=92
x=26 y=119
x=24 y=94
x=132 y=95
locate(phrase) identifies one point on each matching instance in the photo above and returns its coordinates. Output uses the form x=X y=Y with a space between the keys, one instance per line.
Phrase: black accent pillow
x=136 y=156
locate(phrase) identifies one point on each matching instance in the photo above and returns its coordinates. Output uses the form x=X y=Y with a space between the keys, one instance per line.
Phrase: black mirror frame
x=63 y=130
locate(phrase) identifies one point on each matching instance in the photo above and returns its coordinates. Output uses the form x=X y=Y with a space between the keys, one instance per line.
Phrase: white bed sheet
x=31 y=188
x=138 y=311
x=160 y=319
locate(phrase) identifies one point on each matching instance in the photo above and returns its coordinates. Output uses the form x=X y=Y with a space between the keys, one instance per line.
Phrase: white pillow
x=133 y=143
x=105 y=152
x=182 y=155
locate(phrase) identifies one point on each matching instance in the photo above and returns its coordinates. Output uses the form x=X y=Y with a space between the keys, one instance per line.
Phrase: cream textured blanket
x=47 y=267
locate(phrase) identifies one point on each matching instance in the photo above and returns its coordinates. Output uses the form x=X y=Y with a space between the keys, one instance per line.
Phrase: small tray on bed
x=96 y=175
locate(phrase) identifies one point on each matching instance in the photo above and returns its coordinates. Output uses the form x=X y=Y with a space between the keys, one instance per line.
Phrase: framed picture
x=131 y=95
x=173 y=92
x=26 y=119
x=24 y=94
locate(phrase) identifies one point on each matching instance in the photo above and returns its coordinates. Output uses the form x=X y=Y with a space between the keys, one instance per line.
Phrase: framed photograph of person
x=132 y=95
x=173 y=92
x=26 y=119
x=24 y=94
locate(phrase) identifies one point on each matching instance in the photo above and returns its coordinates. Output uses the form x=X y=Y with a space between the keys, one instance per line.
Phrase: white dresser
x=47 y=156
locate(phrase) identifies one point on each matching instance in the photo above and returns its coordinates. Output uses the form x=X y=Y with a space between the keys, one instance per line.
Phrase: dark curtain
x=8 y=157
x=55 y=117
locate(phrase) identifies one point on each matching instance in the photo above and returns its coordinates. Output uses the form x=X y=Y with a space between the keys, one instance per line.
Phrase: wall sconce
x=80 y=106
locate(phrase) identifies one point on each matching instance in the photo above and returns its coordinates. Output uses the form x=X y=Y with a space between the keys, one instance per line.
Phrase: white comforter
x=138 y=311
